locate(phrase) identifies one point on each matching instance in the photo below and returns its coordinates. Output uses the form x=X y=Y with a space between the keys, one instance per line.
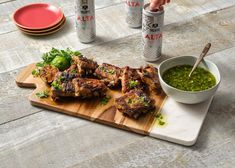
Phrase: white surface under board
x=183 y=122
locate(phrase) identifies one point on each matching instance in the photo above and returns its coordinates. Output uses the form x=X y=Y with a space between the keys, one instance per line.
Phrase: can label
x=152 y=36
x=85 y=20
x=134 y=12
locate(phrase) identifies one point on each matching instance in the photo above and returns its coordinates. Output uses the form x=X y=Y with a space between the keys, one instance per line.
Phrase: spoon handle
x=204 y=52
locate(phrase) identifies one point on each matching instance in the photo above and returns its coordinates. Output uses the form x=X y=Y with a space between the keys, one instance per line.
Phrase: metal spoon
x=200 y=58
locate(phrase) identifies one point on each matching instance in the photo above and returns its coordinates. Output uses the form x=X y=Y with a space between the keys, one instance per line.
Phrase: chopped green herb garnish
x=160 y=119
x=73 y=71
x=56 y=85
x=133 y=83
x=42 y=94
x=142 y=98
x=159 y=115
x=102 y=68
x=105 y=100
x=160 y=122
x=144 y=101
x=130 y=101
x=35 y=72
x=111 y=71
x=40 y=64
x=73 y=53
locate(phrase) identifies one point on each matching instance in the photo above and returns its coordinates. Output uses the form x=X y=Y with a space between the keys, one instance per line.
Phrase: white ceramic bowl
x=188 y=97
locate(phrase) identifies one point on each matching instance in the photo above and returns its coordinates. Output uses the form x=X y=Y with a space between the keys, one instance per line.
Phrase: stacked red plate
x=39 y=19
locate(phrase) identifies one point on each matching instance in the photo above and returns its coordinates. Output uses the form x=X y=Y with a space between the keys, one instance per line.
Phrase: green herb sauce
x=200 y=79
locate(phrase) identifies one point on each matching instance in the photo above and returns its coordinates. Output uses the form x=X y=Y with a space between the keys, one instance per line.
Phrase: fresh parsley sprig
x=43 y=94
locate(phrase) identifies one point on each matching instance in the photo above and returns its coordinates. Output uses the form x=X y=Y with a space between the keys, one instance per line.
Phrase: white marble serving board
x=183 y=122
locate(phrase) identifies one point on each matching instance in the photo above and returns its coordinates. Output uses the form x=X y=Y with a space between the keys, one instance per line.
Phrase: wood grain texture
x=90 y=109
x=53 y=140
x=5 y=1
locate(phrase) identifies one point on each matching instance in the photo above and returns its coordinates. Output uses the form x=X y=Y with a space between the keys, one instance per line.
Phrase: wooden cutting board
x=183 y=122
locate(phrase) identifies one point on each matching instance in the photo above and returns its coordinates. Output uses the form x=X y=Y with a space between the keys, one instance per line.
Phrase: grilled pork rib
x=86 y=67
x=48 y=73
x=88 y=88
x=69 y=85
x=149 y=76
x=130 y=80
x=134 y=103
x=109 y=74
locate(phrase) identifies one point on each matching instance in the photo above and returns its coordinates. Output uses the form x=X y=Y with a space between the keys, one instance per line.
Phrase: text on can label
x=85 y=18
x=153 y=36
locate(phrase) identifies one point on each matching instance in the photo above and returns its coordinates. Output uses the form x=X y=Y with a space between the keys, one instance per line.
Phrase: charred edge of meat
x=66 y=90
x=131 y=80
x=73 y=69
x=62 y=84
x=79 y=87
x=149 y=76
x=109 y=74
x=87 y=88
x=134 y=103
x=48 y=73
x=86 y=67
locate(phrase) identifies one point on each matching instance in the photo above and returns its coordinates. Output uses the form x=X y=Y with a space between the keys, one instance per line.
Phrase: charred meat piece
x=109 y=74
x=134 y=103
x=130 y=80
x=66 y=76
x=73 y=70
x=88 y=88
x=149 y=76
x=48 y=73
x=62 y=85
x=65 y=89
x=78 y=87
x=86 y=67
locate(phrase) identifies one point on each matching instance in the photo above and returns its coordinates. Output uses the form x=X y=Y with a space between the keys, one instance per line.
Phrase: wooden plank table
x=32 y=137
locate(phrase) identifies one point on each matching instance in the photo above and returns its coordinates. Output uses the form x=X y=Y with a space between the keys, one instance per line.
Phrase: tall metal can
x=85 y=20
x=152 y=27
x=134 y=12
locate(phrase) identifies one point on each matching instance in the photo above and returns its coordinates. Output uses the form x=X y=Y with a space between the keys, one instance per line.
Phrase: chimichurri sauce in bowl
x=200 y=79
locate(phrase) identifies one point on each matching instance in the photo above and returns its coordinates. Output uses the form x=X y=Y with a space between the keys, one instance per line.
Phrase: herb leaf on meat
x=56 y=85
x=133 y=83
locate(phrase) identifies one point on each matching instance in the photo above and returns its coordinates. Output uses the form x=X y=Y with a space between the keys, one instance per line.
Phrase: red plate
x=37 y=16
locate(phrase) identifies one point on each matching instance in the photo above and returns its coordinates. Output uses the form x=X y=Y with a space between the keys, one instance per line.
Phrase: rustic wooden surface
x=32 y=137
